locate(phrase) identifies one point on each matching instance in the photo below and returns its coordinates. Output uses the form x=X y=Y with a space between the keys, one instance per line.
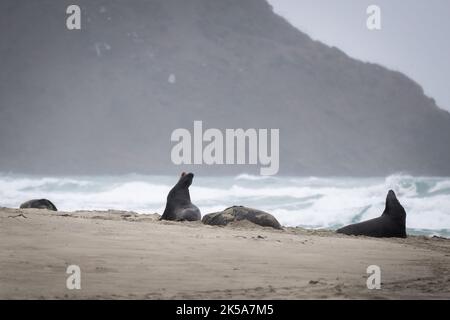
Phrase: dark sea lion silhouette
x=179 y=206
x=391 y=224
x=39 y=204
x=239 y=213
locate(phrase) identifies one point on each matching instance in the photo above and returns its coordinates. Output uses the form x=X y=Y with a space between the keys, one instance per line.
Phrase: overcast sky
x=414 y=38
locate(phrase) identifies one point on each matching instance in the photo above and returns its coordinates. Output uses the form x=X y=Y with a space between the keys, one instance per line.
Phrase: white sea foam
x=295 y=201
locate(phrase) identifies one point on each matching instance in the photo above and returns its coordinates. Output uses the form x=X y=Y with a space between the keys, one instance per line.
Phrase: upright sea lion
x=391 y=224
x=39 y=204
x=179 y=206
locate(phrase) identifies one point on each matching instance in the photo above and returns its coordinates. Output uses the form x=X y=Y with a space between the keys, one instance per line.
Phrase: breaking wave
x=295 y=201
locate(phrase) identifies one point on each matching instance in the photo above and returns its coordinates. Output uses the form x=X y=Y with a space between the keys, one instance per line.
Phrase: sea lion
x=179 y=206
x=391 y=224
x=238 y=213
x=39 y=204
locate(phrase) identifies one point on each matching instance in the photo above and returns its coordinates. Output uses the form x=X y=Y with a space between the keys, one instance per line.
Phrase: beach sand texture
x=123 y=255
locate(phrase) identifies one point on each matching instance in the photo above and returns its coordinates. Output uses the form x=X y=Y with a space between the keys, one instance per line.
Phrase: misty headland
x=105 y=99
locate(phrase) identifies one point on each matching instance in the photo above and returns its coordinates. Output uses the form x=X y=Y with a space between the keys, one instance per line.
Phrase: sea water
x=307 y=202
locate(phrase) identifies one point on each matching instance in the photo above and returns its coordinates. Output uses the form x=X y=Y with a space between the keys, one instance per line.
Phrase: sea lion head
x=185 y=180
x=393 y=206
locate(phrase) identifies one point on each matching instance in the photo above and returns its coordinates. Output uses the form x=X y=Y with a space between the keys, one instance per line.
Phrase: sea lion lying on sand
x=238 y=213
x=39 y=204
x=391 y=224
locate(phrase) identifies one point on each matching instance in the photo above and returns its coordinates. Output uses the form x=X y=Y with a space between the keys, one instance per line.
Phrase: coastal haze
x=413 y=38
x=105 y=99
x=86 y=119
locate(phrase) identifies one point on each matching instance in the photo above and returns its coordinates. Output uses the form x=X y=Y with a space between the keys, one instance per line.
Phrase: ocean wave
x=296 y=201
x=249 y=177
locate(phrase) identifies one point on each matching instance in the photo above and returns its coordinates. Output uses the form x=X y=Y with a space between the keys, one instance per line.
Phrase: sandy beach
x=123 y=255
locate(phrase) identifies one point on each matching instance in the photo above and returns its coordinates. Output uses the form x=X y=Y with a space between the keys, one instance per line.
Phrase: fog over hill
x=105 y=99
